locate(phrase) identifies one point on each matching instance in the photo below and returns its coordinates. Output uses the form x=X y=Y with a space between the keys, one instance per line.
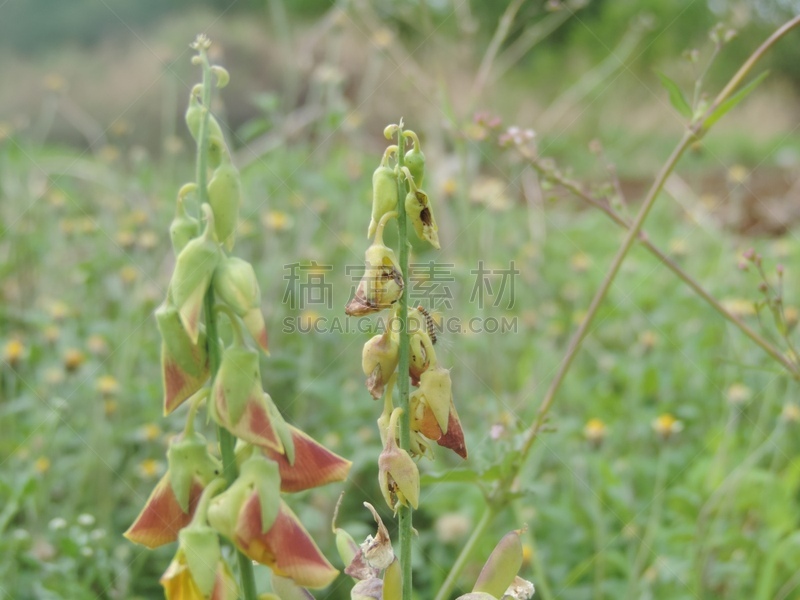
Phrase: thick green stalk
x=404 y=514
x=226 y=439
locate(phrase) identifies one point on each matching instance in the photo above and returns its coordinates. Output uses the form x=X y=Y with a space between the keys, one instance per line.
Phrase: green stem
x=404 y=515
x=227 y=441
x=578 y=191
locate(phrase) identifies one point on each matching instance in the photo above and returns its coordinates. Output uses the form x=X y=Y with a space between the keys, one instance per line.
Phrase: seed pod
x=379 y=360
x=384 y=192
x=398 y=475
x=415 y=159
x=225 y=197
x=382 y=283
x=420 y=213
x=194 y=117
x=193 y=270
x=183 y=227
x=236 y=284
x=501 y=567
x=184 y=364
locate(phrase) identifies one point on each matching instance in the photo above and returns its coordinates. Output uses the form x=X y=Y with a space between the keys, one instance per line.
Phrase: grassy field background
x=93 y=150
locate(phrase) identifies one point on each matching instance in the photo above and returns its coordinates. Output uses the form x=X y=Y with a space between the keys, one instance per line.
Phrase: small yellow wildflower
x=449 y=187
x=527 y=554
x=666 y=426
x=128 y=274
x=73 y=359
x=277 y=220
x=595 y=431
x=42 y=465
x=13 y=352
x=107 y=385
x=151 y=431
x=149 y=468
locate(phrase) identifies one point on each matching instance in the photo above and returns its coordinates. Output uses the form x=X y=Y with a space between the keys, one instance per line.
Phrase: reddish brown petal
x=427 y=424
x=286 y=548
x=178 y=384
x=254 y=426
x=162 y=518
x=314 y=465
x=454 y=438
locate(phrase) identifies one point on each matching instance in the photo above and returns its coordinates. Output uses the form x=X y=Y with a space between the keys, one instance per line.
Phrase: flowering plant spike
x=236 y=494
x=401 y=356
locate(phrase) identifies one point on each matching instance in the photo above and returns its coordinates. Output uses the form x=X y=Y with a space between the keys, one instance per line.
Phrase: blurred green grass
x=86 y=260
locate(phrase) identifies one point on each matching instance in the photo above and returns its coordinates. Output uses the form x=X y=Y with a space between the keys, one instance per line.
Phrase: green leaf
x=723 y=108
x=676 y=97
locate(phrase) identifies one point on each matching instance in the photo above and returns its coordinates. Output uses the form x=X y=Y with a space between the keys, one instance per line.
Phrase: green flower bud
x=194 y=116
x=222 y=75
x=415 y=159
x=384 y=192
x=346 y=546
x=184 y=364
x=257 y=475
x=236 y=284
x=183 y=227
x=225 y=197
x=238 y=381
x=501 y=567
x=200 y=544
x=188 y=459
x=193 y=270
